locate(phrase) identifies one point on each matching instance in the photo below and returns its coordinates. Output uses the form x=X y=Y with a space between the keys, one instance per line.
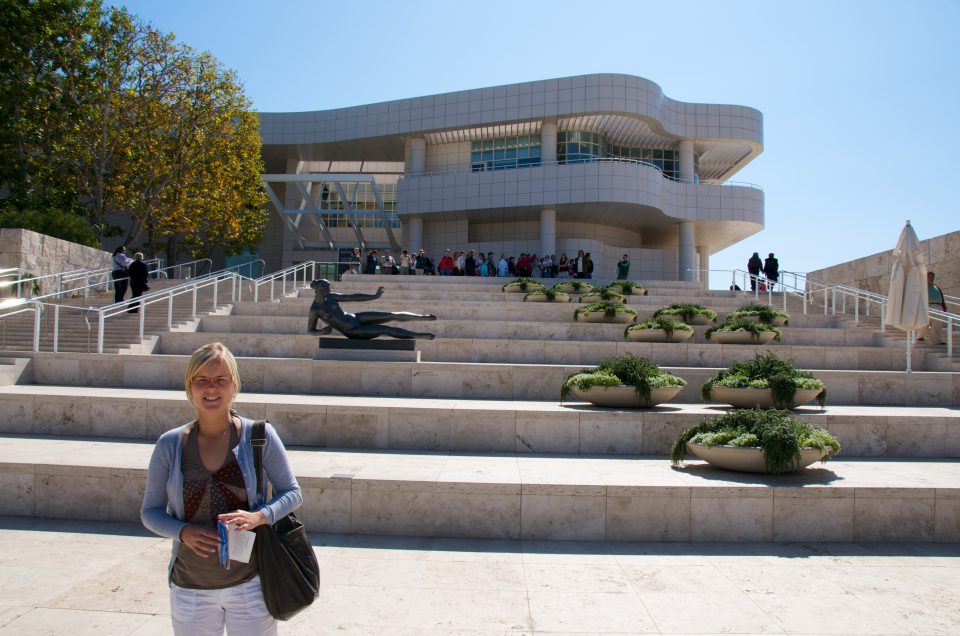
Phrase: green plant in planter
x=608 y=307
x=550 y=294
x=764 y=313
x=622 y=369
x=667 y=324
x=525 y=284
x=781 y=436
x=686 y=311
x=766 y=371
x=756 y=328
x=628 y=286
x=605 y=293
x=578 y=286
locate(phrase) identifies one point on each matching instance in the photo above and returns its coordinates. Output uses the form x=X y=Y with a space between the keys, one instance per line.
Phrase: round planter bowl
x=741 y=337
x=658 y=335
x=593 y=298
x=515 y=289
x=625 y=396
x=748 y=460
x=778 y=321
x=599 y=316
x=567 y=288
x=540 y=298
x=746 y=398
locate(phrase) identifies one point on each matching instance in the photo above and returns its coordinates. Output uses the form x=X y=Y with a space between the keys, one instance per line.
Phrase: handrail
x=696 y=180
x=292 y=272
x=836 y=296
x=35 y=307
x=237 y=268
x=194 y=271
x=283 y=282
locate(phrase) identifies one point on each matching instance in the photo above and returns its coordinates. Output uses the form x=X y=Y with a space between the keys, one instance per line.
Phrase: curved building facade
x=603 y=163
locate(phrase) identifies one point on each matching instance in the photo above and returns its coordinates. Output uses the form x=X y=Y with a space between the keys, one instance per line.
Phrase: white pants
x=205 y=612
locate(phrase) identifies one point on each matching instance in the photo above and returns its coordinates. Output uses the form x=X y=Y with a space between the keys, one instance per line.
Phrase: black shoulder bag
x=288 y=567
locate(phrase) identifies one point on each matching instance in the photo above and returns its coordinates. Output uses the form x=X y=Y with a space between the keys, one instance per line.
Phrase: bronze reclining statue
x=363 y=325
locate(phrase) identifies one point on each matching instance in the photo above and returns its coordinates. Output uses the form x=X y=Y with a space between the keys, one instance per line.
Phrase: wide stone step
x=524 y=496
x=565 y=329
x=538 y=382
x=459 y=425
x=487 y=350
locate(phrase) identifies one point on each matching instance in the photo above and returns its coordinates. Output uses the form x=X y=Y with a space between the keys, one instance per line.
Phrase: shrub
x=755 y=328
x=686 y=311
x=550 y=294
x=578 y=286
x=628 y=286
x=626 y=368
x=608 y=307
x=667 y=324
x=779 y=435
x=767 y=371
x=765 y=313
x=526 y=284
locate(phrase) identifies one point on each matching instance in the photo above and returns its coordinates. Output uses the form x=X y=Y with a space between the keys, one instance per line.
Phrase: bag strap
x=258 y=440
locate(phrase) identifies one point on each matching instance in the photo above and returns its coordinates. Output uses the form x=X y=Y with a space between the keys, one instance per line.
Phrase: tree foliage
x=109 y=119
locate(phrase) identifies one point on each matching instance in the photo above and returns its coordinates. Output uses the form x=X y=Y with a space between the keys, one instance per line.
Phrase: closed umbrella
x=907 y=297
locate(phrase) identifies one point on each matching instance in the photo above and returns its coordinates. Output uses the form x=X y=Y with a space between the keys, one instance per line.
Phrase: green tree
x=106 y=118
x=44 y=54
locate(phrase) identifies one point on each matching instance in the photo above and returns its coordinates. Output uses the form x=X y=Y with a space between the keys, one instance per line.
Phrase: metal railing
x=48 y=314
x=279 y=281
x=543 y=164
x=9 y=308
x=835 y=298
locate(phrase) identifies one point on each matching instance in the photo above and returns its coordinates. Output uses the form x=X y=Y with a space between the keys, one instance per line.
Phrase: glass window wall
x=505 y=152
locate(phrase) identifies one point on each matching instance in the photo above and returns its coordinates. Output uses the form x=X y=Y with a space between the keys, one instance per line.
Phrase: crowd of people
x=476 y=263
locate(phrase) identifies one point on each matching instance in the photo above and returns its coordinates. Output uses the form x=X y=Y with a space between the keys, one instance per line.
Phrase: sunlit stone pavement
x=77 y=578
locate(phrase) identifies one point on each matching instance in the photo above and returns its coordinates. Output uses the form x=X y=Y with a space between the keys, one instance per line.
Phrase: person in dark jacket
x=754 y=265
x=771 y=268
x=119 y=274
x=138 y=280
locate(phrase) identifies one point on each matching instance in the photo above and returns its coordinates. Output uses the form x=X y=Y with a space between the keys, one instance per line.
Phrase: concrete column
x=704 y=254
x=548 y=142
x=413 y=239
x=687 y=261
x=548 y=232
x=687 y=171
x=418 y=156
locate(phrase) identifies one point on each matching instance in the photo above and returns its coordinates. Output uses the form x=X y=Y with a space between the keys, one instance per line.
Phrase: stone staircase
x=78 y=328
x=473 y=441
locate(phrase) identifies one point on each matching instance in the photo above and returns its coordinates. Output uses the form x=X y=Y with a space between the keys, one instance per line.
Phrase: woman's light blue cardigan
x=162 y=511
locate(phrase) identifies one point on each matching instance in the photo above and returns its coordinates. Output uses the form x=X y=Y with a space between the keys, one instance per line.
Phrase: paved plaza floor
x=77 y=578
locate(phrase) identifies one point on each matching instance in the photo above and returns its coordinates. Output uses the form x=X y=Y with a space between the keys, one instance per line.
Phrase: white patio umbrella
x=907 y=297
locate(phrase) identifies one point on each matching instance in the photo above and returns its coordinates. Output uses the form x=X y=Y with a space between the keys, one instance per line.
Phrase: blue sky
x=861 y=99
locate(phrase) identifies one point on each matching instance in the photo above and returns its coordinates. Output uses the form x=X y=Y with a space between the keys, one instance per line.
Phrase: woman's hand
x=243 y=520
x=203 y=540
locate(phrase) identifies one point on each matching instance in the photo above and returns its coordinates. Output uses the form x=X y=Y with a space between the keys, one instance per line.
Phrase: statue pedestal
x=387 y=350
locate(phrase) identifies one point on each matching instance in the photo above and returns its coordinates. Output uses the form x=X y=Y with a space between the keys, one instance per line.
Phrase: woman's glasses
x=214 y=383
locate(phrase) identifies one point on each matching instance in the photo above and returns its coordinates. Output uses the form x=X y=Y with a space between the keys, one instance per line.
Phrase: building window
x=577 y=146
x=333 y=208
x=505 y=152
x=668 y=161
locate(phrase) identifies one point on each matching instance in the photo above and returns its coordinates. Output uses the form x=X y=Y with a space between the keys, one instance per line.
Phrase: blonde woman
x=202 y=473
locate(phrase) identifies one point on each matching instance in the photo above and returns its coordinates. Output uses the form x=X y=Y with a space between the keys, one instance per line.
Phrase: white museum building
x=603 y=163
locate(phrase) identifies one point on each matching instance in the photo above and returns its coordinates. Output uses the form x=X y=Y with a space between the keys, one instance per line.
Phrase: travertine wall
x=873 y=272
x=40 y=254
